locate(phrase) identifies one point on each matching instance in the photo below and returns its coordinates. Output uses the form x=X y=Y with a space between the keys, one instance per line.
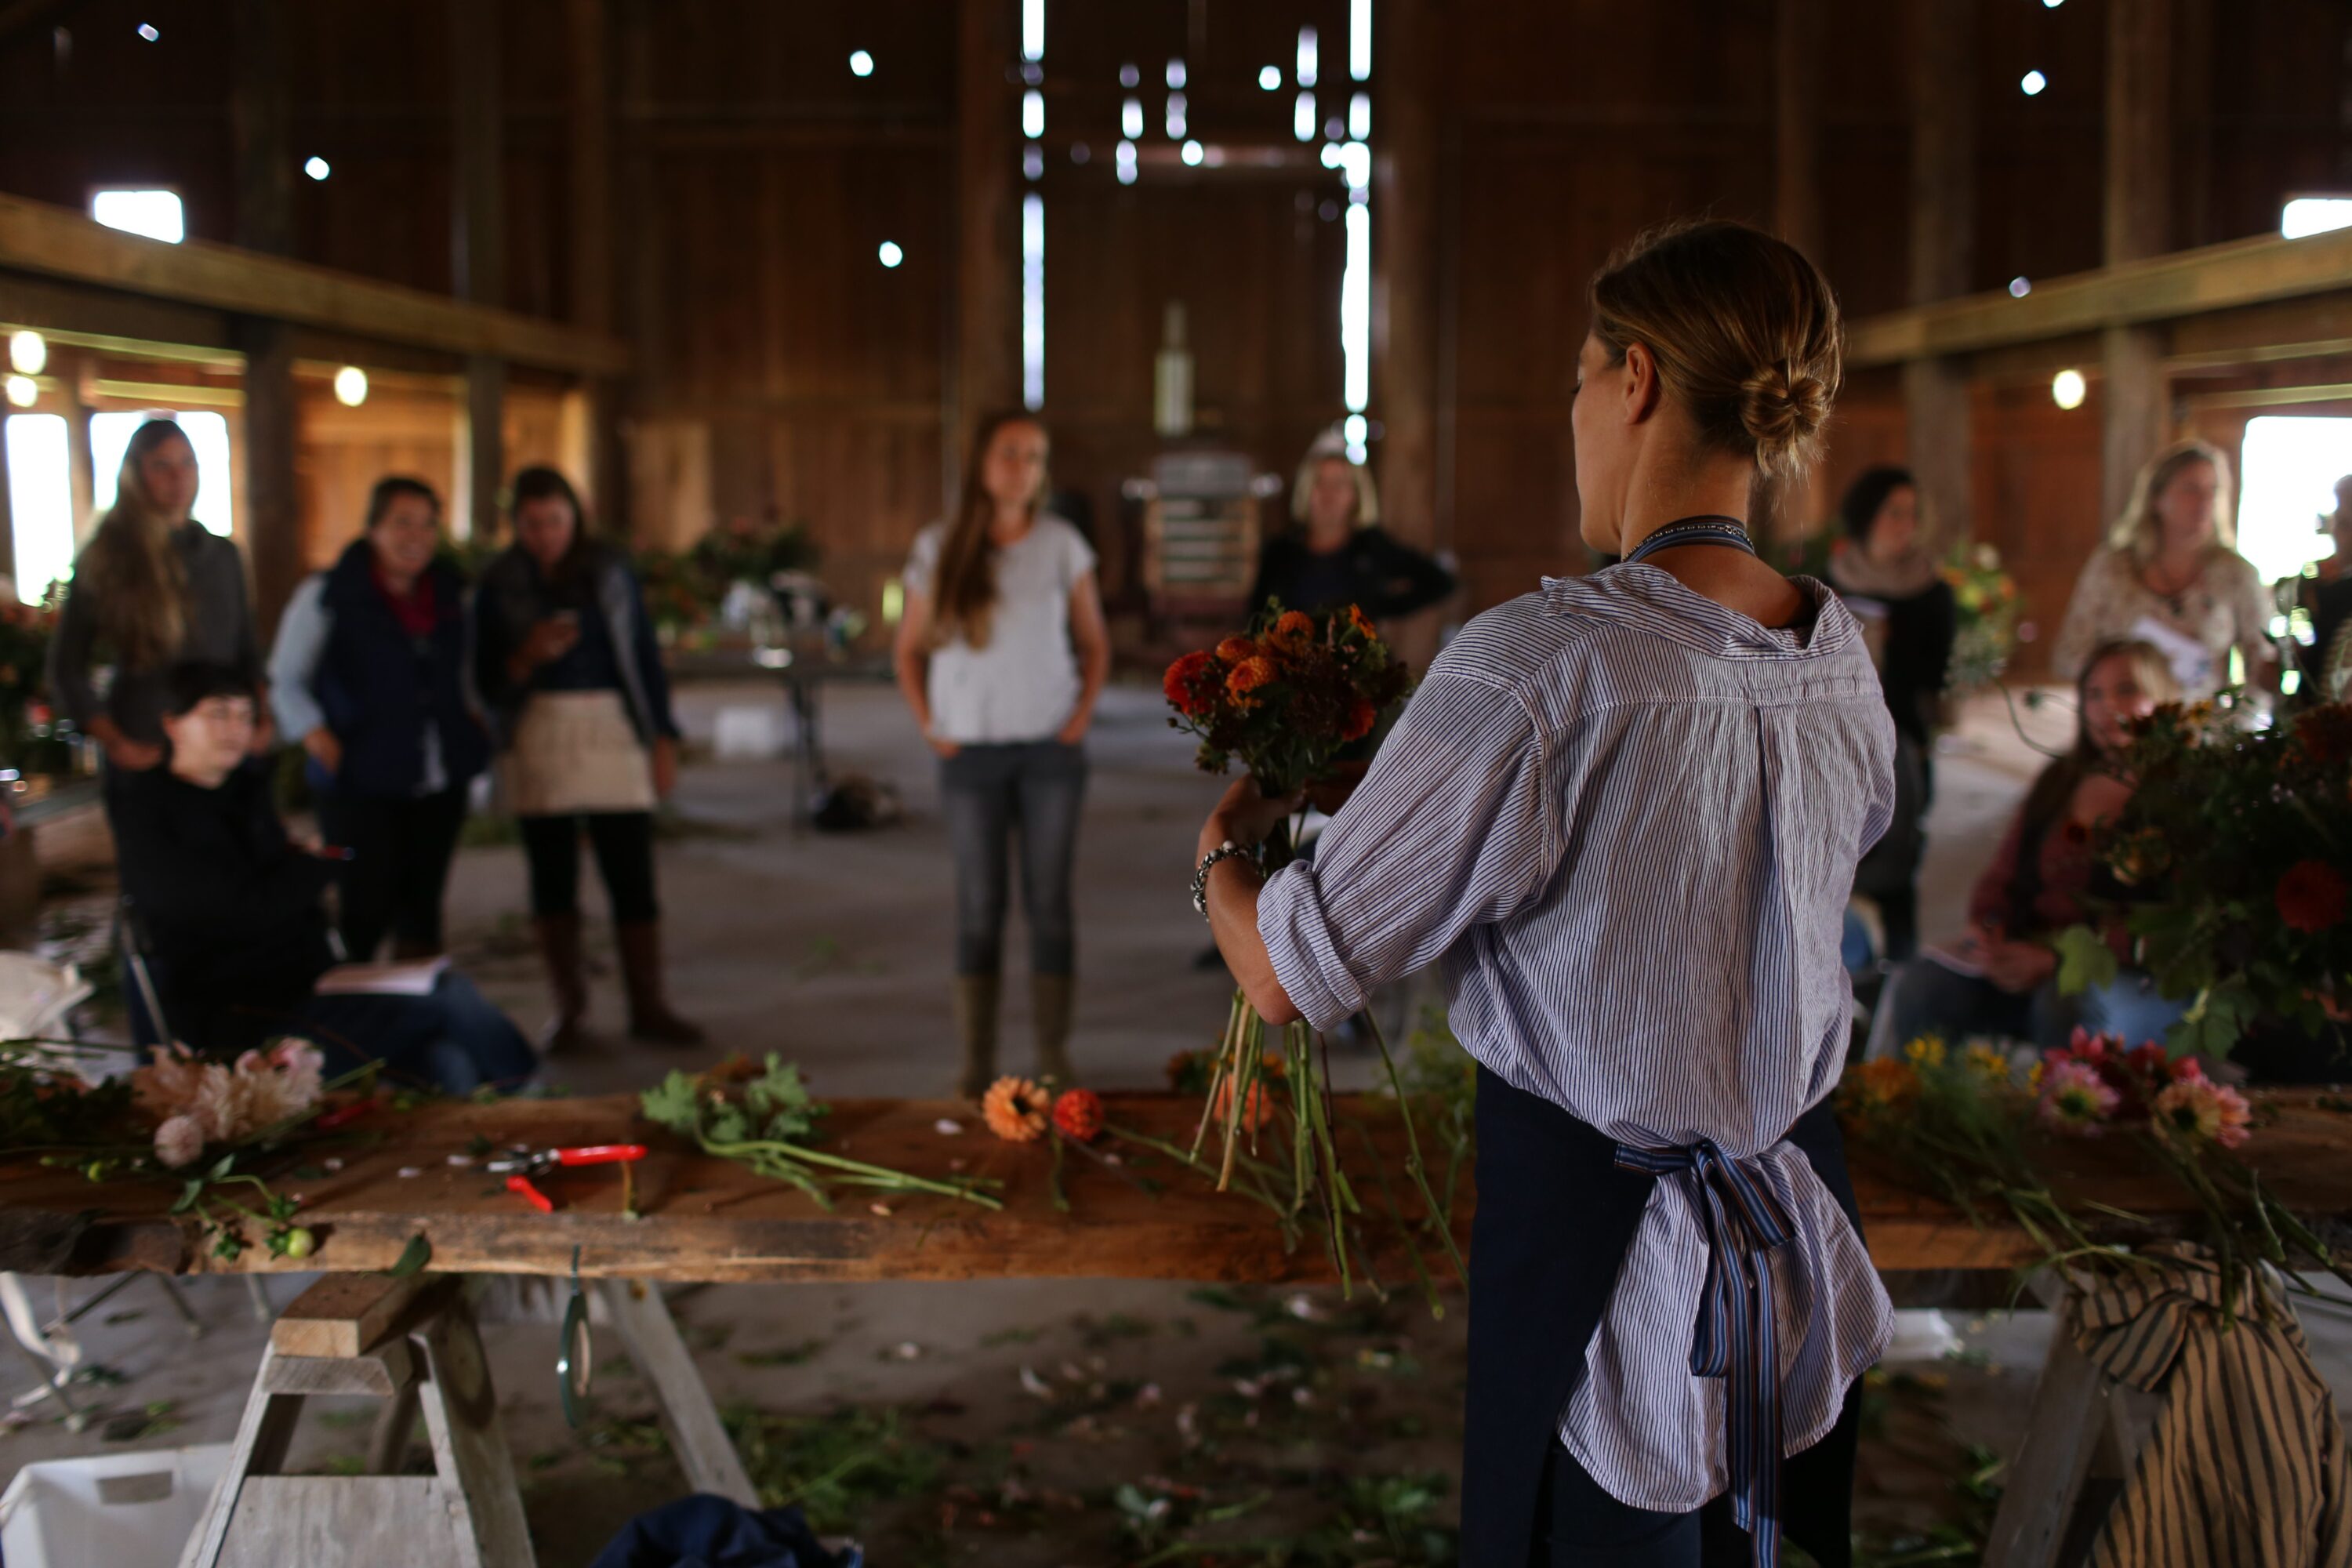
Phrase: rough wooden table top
x=708 y=1219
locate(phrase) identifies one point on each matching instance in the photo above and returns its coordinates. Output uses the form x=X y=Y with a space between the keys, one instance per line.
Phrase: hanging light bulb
x=2067 y=389
x=29 y=353
x=350 y=386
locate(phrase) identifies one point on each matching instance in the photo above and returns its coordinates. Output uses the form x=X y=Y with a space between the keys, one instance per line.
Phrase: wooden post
x=7 y=513
x=2133 y=397
x=259 y=116
x=481 y=446
x=589 y=24
x=1405 y=317
x=477 y=262
x=81 y=465
x=273 y=516
x=988 y=227
x=1943 y=247
x=1799 y=35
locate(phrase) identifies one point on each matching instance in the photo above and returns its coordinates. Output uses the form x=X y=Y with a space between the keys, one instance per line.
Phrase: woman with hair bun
x=1623 y=811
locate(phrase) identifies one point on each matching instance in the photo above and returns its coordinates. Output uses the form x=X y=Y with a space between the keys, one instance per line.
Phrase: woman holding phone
x=565 y=658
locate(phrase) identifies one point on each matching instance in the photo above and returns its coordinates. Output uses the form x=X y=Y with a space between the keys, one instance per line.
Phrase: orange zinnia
x=1079 y=1114
x=1014 y=1109
x=1363 y=624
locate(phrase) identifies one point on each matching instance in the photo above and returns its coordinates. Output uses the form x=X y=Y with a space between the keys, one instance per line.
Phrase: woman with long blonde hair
x=152 y=589
x=1001 y=656
x=2170 y=574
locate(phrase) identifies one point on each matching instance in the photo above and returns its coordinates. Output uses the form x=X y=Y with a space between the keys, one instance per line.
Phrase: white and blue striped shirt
x=1625 y=818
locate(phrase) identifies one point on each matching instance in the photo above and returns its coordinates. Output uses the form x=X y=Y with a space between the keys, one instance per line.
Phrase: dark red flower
x=1078 y=1114
x=1192 y=683
x=1361 y=716
x=2311 y=896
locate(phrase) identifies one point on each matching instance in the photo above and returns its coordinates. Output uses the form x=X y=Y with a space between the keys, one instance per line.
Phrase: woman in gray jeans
x=1001 y=654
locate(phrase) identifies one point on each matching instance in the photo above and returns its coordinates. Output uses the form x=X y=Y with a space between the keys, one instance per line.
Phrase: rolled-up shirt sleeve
x=1456 y=826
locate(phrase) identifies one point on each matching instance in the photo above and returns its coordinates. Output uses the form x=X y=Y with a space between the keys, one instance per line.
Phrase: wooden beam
x=988 y=229
x=1937 y=429
x=259 y=119
x=2160 y=289
x=592 y=252
x=272 y=499
x=82 y=471
x=1799 y=38
x=119 y=322
x=2133 y=402
x=8 y=529
x=1405 y=226
x=54 y=242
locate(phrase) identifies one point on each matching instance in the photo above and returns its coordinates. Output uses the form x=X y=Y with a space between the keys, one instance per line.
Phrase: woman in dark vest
x=369 y=673
x=566 y=659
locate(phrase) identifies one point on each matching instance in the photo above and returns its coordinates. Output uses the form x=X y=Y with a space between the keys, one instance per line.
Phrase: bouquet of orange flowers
x=1290 y=698
x=1293 y=700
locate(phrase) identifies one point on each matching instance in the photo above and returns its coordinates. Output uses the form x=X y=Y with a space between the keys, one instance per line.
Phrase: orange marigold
x=1246 y=678
x=1293 y=628
x=1363 y=624
x=1236 y=650
x=1191 y=684
x=1078 y=1114
x=1014 y=1109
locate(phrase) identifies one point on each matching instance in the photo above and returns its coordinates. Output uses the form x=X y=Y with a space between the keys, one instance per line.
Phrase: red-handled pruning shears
x=519 y=1169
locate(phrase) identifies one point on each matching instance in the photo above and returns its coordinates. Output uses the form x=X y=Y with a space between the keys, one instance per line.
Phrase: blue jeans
x=1928 y=998
x=987 y=793
x=454 y=1041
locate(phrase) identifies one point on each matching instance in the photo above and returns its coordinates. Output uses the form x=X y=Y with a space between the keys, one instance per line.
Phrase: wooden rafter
x=2186 y=283
x=53 y=242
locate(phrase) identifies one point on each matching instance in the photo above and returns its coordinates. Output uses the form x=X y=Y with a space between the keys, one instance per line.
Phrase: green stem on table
x=1054 y=1177
x=1218 y=1068
x=1413 y=1150
x=1412 y=1246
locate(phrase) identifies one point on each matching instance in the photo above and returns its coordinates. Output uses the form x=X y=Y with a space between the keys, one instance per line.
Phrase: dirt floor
x=1012 y=1421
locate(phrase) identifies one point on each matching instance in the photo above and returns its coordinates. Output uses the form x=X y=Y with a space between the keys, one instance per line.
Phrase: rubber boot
x=559 y=949
x=1050 y=997
x=975 y=1018
x=650 y=1018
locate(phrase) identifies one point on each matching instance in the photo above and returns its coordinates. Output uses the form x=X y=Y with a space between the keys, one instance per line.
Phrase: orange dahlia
x=1078 y=1114
x=1293 y=629
x=1236 y=650
x=1014 y=1109
x=1246 y=678
x=1361 y=716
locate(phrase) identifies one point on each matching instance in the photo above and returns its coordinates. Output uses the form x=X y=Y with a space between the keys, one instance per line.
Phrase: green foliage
x=836 y=1467
x=2084 y=960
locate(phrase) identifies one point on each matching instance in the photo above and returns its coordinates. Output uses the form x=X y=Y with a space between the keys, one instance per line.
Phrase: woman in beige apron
x=566 y=658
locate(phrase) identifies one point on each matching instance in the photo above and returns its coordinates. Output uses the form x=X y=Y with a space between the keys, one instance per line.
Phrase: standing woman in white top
x=1622 y=813
x=2171 y=575
x=1001 y=654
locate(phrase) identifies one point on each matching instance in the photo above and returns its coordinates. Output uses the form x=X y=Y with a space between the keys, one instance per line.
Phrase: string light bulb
x=22 y=392
x=29 y=353
x=350 y=386
x=2067 y=389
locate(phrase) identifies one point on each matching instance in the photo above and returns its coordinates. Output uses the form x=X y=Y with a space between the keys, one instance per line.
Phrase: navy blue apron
x=1556 y=1215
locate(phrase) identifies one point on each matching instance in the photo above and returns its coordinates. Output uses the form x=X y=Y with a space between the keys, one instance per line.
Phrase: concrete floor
x=833 y=949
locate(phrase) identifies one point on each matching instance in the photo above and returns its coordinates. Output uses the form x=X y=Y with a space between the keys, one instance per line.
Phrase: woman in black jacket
x=369 y=673
x=1908 y=620
x=565 y=657
x=1339 y=555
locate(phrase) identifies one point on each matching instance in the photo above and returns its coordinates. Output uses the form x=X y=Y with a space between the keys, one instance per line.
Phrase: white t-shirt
x=1025 y=684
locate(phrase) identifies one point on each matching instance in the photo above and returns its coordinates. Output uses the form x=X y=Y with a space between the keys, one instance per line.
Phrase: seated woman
x=236 y=929
x=2001 y=978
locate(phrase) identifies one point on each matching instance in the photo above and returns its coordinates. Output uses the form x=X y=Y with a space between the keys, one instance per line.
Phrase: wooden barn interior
x=643 y=240
x=746 y=267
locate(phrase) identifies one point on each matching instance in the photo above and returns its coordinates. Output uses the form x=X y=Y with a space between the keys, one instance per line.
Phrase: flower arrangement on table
x=25 y=720
x=1293 y=701
x=1986 y=602
x=209 y=1127
x=1978 y=1133
x=2236 y=841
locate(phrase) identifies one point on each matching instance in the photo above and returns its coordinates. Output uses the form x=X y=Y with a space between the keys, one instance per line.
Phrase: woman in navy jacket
x=371 y=673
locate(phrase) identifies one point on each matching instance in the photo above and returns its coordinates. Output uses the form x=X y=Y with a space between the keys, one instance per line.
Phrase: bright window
x=2315 y=214
x=207 y=433
x=40 y=497
x=155 y=214
x=2292 y=463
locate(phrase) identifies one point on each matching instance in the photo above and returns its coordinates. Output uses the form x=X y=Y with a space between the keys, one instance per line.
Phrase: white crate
x=125 y=1510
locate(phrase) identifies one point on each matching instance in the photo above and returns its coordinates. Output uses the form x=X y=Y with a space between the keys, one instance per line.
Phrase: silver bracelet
x=1228 y=850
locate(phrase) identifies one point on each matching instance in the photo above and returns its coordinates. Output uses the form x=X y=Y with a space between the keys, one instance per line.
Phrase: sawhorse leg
x=2078 y=1415
x=696 y=1437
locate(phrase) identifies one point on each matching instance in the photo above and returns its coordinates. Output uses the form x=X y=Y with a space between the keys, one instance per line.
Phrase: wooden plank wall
x=785 y=374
